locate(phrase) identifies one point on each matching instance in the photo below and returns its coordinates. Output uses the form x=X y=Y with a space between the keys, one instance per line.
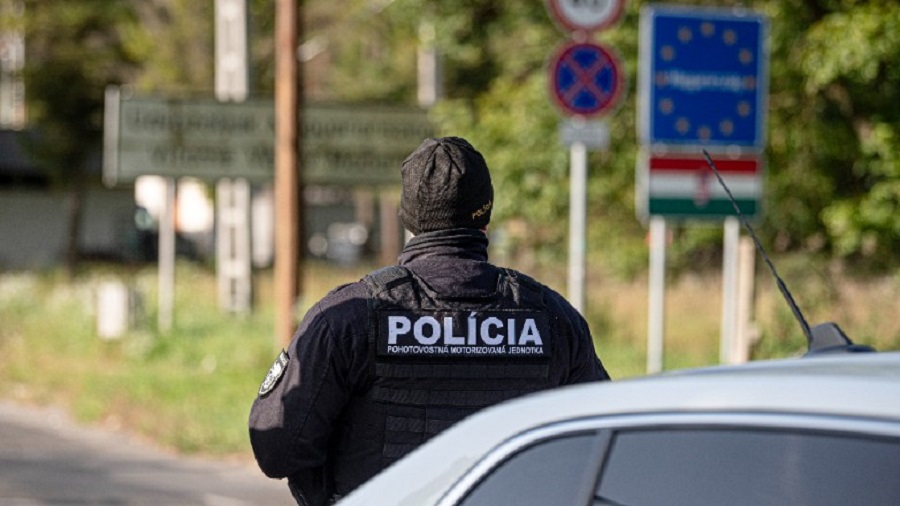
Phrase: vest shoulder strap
x=524 y=288
x=382 y=287
x=386 y=278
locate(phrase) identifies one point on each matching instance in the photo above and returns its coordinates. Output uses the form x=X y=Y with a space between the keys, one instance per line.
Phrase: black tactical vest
x=437 y=360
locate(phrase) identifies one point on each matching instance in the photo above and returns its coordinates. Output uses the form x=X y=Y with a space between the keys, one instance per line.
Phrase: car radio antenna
x=781 y=286
x=824 y=338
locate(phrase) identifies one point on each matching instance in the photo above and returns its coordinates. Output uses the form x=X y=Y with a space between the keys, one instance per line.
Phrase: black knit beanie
x=446 y=184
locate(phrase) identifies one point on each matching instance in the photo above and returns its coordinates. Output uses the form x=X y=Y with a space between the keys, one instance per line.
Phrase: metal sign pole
x=745 y=333
x=729 y=289
x=657 y=288
x=166 y=274
x=577 y=220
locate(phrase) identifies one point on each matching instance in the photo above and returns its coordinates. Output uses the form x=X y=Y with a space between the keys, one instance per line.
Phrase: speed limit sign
x=586 y=15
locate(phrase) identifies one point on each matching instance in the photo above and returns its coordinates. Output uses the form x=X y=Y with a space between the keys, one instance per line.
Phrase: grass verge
x=190 y=389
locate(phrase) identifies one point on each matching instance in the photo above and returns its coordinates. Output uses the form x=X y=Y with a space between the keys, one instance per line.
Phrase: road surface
x=47 y=460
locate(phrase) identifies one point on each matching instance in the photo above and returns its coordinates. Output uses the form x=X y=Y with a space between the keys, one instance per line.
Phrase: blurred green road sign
x=208 y=140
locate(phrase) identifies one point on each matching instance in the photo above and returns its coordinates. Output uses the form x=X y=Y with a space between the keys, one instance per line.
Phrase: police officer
x=379 y=366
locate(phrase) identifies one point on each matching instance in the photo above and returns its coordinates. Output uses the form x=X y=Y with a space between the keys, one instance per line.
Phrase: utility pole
x=288 y=168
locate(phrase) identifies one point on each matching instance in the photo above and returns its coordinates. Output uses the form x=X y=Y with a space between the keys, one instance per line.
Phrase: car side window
x=551 y=472
x=707 y=466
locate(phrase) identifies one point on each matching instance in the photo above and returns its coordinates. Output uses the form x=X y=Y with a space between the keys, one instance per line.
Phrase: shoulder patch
x=274 y=374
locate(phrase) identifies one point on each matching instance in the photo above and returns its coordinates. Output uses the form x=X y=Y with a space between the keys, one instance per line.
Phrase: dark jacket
x=296 y=419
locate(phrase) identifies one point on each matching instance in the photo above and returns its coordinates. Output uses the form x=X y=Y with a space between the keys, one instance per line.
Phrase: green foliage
x=504 y=108
x=832 y=182
x=358 y=51
x=869 y=225
x=73 y=51
x=834 y=145
x=174 y=43
x=529 y=175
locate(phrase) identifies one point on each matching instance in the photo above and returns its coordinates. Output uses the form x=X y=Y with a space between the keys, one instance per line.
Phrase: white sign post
x=585 y=82
x=232 y=60
x=657 y=299
x=731 y=240
x=166 y=275
x=580 y=135
x=233 y=266
x=577 y=223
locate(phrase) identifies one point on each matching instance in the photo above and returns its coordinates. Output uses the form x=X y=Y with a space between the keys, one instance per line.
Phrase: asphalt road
x=46 y=460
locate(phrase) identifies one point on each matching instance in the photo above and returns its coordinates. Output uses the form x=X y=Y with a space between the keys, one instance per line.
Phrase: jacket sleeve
x=290 y=425
x=579 y=358
x=586 y=365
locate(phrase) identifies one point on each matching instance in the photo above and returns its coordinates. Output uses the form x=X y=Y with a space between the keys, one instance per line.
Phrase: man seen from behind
x=379 y=366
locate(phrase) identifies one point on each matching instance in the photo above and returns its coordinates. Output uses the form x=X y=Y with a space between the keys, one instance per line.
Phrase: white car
x=819 y=430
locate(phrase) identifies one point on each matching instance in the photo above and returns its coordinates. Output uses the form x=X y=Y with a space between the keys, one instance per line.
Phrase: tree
x=833 y=183
x=495 y=55
x=833 y=179
x=844 y=105
x=73 y=51
x=174 y=43
x=833 y=156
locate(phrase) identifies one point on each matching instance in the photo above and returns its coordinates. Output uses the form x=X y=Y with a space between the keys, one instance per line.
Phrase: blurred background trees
x=833 y=173
x=73 y=51
x=833 y=156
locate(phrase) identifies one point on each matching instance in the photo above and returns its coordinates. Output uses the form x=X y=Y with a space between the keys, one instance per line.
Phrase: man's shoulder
x=342 y=296
x=531 y=282
x=386 y=277
x=554 y=300
x=357 y=292
x=522 y=277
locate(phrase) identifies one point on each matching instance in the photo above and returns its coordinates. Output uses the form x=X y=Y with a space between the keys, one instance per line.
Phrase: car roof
x=861 y=385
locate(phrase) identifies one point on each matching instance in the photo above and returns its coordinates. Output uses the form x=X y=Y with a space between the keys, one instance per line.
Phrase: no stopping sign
x=585 y=79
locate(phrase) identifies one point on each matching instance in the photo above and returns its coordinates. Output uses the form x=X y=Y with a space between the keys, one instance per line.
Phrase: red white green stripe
x=684 y=186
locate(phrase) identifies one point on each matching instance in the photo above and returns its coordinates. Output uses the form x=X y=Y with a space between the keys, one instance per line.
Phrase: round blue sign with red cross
x=585 y=79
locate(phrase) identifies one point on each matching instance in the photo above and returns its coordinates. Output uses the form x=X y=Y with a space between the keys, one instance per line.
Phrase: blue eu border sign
x=706 y=82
